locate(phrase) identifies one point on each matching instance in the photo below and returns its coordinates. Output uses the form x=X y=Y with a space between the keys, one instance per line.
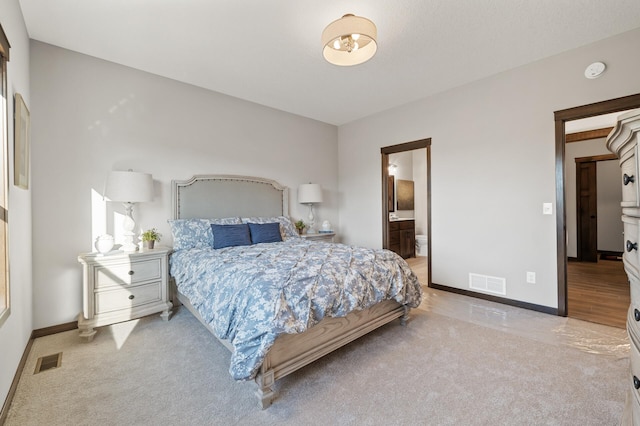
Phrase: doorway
x=422 y=191
x=586 y=187
x=561 y=117
x=591 y=189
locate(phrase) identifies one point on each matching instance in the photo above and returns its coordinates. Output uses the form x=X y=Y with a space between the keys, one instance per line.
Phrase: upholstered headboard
x=217 y=196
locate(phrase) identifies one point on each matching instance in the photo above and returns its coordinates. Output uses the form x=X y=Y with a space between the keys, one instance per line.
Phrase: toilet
x=421 y=245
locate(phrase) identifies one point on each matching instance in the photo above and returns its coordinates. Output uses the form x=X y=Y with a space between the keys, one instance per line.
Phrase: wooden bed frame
x=217 y=196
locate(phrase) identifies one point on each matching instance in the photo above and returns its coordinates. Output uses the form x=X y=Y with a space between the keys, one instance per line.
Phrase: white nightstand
x=122 y=286
x=320 y=236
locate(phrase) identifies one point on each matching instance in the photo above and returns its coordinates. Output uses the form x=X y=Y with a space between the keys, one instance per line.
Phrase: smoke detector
x=594 y=70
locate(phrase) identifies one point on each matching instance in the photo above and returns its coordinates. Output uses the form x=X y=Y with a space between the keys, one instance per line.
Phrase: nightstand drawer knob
x=636 y=382
x=130 y=272
x=626 y=179
x=631 y=246
x=131 y=297
x=636 y=314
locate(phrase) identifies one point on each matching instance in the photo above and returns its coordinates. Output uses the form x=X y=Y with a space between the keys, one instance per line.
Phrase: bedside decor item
x=21 y=144
x=300 y=225
x=129 y=188
x=150 y=236
x=104 y=243
x=310 y=194
x=350 y=40
x=326 y=226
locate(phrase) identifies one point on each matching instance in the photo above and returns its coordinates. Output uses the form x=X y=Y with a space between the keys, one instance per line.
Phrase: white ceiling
x=269 y=52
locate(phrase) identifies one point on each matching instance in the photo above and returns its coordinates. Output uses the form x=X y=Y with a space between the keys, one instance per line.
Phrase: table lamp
x=310 y=194
x=129 y=188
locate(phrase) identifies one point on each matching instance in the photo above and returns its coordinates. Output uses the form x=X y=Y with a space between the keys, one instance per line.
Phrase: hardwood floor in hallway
x=598 y=292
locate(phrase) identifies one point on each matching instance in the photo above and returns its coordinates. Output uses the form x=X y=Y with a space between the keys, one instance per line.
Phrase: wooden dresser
x=402 y=237
x=623 y=141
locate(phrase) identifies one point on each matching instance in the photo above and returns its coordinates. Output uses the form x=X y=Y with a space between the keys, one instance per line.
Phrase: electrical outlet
x=531 y=277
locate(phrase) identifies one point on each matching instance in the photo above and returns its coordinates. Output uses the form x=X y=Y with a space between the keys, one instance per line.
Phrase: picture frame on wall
x=21 y=144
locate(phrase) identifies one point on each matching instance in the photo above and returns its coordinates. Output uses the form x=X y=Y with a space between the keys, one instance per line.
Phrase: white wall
x=609 y=189
x=16 y=330
x=91 y=116
x=493 y=157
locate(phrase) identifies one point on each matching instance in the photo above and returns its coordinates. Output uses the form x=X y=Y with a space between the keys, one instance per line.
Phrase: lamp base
x=311 y=228
x=128 y=225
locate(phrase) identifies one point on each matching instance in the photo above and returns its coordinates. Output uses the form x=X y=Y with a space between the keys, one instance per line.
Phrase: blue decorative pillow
x=195 y=233
x=265 y=232
x=287 y=228
x=230 y=235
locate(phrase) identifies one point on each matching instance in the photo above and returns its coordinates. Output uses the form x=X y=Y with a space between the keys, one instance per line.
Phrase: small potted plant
x=150 y=236
x=300 y=226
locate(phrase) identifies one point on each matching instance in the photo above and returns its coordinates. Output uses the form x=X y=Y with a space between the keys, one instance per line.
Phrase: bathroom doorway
x=406 y=204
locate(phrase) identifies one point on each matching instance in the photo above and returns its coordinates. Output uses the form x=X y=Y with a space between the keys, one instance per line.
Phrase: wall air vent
x=485 y=283
x=48 y=362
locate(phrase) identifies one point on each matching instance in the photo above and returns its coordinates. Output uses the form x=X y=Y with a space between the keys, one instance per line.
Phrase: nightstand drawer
x=115 y=300
x=128 y=273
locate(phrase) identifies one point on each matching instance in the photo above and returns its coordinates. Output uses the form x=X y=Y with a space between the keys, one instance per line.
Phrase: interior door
x=587 y=217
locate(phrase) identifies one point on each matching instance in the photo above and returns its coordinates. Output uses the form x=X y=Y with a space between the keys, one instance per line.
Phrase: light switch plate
x=547 y=208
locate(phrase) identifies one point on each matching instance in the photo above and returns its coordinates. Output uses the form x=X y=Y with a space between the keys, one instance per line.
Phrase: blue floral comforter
x=251 y=294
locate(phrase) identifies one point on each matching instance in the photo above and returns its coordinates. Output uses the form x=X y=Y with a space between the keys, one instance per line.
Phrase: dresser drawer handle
x=636 y=382
x=130 y=272
x=131 y=296
x=631 y=246
x=626 y=179
x=636 y=314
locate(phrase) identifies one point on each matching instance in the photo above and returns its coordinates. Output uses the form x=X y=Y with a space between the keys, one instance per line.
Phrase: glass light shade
x=345 y=30
x=309 y=193
x=129 y=187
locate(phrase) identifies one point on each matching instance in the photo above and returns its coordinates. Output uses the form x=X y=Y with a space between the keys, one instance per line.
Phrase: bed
x=276 y=305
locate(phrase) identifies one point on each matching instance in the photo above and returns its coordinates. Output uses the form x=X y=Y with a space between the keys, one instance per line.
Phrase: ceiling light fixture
x=350 y=40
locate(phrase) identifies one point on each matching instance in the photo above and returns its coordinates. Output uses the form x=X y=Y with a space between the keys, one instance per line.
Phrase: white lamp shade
x=309 y=193
x=129 y=187
x=349 y=25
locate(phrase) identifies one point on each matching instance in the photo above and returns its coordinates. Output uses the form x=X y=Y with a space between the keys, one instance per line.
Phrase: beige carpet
x=437 y=370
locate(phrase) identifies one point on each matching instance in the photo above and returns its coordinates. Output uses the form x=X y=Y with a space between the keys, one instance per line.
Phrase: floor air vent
x=48 y=362
x=488 y=284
